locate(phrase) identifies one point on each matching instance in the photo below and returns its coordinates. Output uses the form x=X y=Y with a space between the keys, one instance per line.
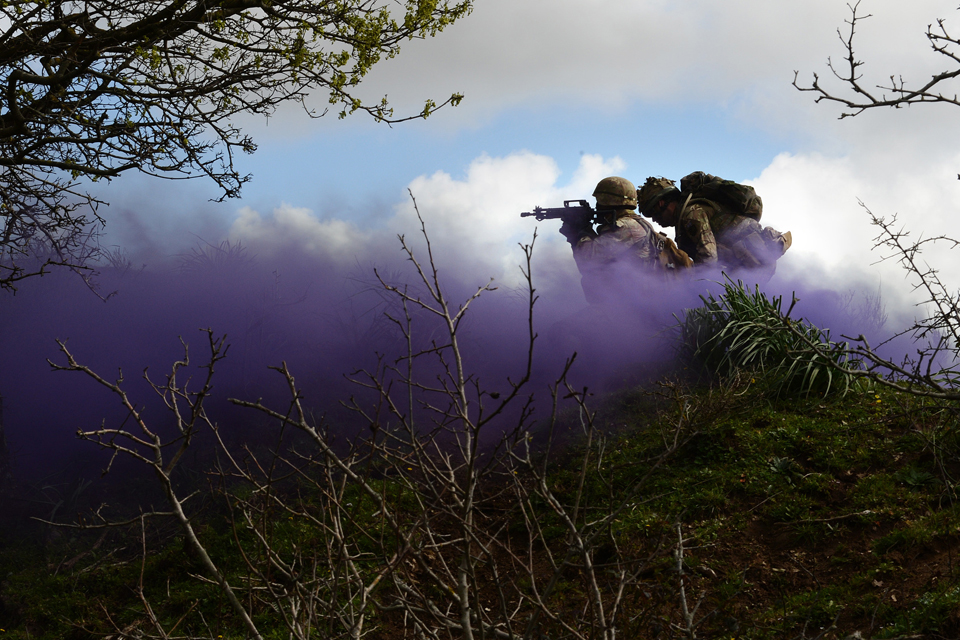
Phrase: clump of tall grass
x=743 y=329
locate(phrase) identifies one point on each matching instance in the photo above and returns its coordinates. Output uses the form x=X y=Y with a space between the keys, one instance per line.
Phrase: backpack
x=738 y=199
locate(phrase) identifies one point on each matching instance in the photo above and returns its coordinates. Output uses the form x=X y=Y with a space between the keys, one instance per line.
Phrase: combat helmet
x=652 y=191
x=616 y=192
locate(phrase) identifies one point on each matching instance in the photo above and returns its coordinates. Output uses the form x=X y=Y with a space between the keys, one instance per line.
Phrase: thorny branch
x=934 y=370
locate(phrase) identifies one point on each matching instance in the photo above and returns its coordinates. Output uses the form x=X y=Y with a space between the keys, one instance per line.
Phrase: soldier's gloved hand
x=577 y=217
x=572 y=233
x=576 y=226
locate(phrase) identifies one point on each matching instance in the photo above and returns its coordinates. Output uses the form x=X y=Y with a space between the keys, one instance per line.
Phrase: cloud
x=473 y=221
x=296 y=227
x=818 y=198
x=608 y=53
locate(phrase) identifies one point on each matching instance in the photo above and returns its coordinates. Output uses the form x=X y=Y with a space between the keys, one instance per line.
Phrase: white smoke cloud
x=476 y=221
x=815 y=197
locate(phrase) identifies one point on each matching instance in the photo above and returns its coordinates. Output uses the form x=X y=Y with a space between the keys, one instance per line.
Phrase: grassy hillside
x=800 y=518
x=781 y=495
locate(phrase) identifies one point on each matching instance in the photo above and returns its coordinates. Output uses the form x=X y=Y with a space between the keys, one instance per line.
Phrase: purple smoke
x=324 y=318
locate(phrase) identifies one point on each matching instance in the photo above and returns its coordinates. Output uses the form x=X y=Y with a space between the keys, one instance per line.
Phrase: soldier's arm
x=696 y=227
x=587 y=249
x=614 y=243
x=577 y=235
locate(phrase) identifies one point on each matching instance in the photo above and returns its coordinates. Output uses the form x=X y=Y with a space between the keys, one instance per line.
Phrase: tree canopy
x=94 y=89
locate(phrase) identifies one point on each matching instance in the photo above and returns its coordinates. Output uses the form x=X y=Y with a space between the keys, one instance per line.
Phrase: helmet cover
x=652 y=191
x=616 y=192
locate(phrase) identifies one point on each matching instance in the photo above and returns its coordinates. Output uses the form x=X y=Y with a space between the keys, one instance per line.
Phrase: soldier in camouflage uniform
x=714 y=233
x=622 y=246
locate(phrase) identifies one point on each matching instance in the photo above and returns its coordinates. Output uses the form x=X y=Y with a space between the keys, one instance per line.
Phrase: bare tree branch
x=896 y=92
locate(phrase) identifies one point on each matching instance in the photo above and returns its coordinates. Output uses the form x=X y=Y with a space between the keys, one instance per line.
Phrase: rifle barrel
x=552 y=213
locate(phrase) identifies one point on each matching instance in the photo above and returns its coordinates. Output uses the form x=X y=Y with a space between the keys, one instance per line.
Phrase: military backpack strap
x=669 y=256
x=686 y=203
x=656 y=240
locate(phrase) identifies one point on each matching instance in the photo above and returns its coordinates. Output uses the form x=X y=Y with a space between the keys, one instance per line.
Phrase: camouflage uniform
x=712 y=233
x=629 y=238
x=628 y=245
x=623 y=245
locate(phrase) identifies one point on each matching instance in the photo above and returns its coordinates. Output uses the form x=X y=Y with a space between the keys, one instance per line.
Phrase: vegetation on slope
x=801 y=517
x=757 y=503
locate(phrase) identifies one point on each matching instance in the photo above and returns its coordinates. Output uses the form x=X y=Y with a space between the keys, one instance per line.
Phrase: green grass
x=799 y=507
x=744 y=330
x=811 y=505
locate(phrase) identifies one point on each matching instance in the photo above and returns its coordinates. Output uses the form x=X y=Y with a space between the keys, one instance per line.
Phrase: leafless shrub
x=934 y=369
x=895 y=92
x=38 y=237
x=5 y=470
x=363 y=314
x=119 y=263
x=865 y=310
x=444 y=518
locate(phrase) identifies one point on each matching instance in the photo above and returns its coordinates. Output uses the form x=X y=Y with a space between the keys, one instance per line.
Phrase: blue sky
x=349 y=162
x=559 y=92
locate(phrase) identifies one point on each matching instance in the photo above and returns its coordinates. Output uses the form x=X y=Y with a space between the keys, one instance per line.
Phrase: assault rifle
x=583 y=209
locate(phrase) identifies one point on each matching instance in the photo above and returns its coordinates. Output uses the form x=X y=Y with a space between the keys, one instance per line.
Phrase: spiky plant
x=743 y=329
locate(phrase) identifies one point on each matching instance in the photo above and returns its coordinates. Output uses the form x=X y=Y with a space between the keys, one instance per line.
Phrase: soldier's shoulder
x=635 y=223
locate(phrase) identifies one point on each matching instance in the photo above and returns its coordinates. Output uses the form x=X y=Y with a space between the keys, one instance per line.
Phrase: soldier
x=622 y=246
x=717 y=222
